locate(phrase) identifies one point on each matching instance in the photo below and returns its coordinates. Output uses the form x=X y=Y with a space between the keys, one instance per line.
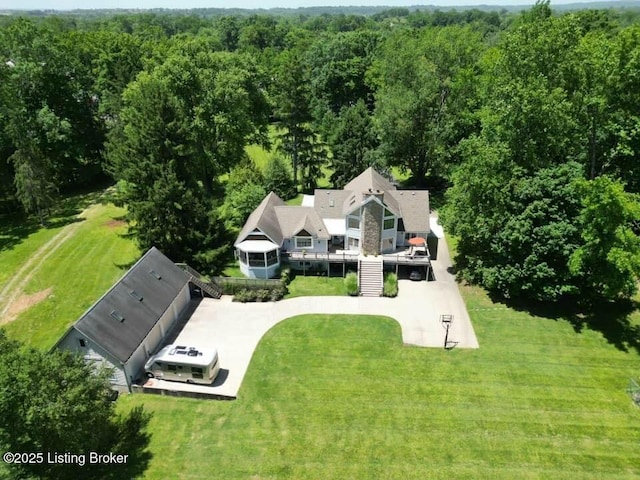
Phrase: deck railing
x=393 y=258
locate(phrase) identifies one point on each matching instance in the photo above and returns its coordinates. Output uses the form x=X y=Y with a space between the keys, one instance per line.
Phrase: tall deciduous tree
x=47 y=102
x=53 y=403
x=517 y=231
x=425 y=94
x=609 y=258
x=339 y=64
x=244 y=191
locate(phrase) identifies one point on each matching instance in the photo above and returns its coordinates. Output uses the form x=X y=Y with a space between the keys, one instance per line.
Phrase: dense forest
x=527 y=123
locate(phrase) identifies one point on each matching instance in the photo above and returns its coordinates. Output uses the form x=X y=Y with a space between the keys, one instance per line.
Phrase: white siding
x=155 y=338
x=174 y=311
x=95 y=355
x=122 y=375
x=319 y=246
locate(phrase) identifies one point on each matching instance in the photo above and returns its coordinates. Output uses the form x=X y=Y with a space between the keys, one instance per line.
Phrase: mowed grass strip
x=18 y=241
x=82 y=269
x=313 y=285
x=341 y=397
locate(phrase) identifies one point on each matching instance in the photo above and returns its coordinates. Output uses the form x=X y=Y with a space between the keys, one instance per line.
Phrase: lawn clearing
x=82 y=268
x=341 y=397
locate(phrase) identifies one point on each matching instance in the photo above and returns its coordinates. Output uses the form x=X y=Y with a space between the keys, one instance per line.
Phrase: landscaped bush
x=351 y=284
x=286 y=276
x=260 y=295
x=390 y=288
x=244 y=295
x=278 y=292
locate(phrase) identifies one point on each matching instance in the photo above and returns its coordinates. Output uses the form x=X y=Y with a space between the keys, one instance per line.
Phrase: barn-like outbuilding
x=131 y=321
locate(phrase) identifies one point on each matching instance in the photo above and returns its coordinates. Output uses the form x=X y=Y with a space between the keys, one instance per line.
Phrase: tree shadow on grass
x=16 y=226
x=613 y=319
x=14 y=229
x=125 y=266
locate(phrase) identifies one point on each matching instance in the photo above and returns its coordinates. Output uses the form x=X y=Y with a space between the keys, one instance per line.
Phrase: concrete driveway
x=236 y=328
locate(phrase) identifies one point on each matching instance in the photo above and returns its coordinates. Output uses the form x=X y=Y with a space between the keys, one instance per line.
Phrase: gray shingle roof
x=264 y=219
x=369 y=179
x=414 y=209
x=102 y=322
x=330 y=203
x=279 y=221
x=293 y=219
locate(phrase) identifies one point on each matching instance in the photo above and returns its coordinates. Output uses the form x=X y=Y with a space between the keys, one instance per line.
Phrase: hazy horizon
x=249 y=4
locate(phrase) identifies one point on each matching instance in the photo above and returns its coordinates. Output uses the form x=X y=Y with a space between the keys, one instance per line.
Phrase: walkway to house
x=236 y=328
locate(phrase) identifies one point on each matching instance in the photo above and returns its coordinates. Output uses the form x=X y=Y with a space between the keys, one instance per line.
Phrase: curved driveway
x=236 y=328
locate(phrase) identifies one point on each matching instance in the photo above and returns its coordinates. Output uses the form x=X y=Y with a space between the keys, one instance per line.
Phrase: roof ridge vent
x=135 y=295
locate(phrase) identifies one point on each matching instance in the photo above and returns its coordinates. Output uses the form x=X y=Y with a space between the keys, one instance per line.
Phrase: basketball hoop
x=446 y=321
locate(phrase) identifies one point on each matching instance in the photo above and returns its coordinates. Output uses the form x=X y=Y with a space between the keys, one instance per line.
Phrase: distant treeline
x=385 y=11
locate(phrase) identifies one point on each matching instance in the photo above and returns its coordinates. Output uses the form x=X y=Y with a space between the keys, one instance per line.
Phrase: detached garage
x=131 y=320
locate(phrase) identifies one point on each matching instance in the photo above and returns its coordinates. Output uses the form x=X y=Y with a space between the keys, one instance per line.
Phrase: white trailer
x=184 y=364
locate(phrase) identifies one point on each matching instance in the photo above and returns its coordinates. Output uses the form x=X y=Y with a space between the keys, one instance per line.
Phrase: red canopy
x=417 y=241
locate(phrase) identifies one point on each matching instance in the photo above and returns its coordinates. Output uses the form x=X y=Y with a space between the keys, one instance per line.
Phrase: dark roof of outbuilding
x=125 y=315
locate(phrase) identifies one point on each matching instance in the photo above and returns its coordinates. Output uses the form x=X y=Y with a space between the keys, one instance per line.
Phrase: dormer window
x=117 y=315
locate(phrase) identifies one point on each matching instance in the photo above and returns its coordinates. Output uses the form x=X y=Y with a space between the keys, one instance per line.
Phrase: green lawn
x=79 y=273
x=313 y=285
x=21 y=237
x=341 y=397
x=295 y=201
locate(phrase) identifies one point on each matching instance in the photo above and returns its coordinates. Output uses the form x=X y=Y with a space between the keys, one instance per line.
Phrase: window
x=353 y=222
x=243 y=256
x=354 y=243
x=388 y=213
x=389 y=223
x=82 y=342
x=172 y=368
x=304 y=242
x=256 y=259
x=117 y=315
x=196 y=370
x=272 y=257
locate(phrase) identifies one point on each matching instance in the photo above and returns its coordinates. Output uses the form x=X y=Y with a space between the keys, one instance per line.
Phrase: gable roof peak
x=369 y=180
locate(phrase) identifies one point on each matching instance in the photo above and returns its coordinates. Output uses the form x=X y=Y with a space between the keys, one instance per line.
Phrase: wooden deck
x=398 y=258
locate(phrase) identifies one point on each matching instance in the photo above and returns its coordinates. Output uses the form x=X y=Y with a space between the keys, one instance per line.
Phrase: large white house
x=368 y=217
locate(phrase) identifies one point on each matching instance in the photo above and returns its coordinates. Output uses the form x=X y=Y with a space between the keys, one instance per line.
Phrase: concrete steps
x=370 y=278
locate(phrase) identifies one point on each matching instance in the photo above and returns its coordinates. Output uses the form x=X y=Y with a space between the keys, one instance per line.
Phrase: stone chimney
x=372 y=217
